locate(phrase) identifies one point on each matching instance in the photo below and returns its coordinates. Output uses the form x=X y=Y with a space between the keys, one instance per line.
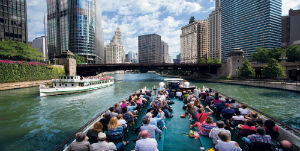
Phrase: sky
x=139 y=17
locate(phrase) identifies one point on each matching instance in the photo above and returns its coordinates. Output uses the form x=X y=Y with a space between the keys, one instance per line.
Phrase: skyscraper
x=72 y=26
x=40 y=43
x=114 y=51
x=132 y=57
x=250 y=24
x=164 y=52
x=150 y=49
x=214 y=32
x=193 y=42
x=294 y=27
x=13 y=20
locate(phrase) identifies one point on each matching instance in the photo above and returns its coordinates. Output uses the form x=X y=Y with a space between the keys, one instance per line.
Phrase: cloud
x=289 y=4
x=36 y=9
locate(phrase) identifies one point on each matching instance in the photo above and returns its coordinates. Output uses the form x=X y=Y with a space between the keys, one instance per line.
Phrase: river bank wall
x=18 y=85
x=256 y=83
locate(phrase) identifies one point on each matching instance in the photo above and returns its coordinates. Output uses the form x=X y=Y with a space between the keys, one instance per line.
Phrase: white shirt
x=244 y=111
x=227 y=146
x=122 y=122
x=103 y=146
x=238 y=118
x=213 y=134
x=179 y=94
x=148 y=144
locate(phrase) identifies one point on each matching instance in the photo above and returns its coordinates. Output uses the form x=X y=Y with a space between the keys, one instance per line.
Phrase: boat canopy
x=173 y=80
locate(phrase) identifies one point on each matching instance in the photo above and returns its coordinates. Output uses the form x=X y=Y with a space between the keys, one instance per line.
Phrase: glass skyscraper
x=249 y=24
x=13 y=20
x=72 y=26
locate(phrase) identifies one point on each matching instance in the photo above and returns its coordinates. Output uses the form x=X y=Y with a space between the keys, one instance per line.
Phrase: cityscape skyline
x=165 y=19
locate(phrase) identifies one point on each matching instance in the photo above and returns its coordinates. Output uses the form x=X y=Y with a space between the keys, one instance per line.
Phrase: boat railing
x=279 y=123
x=64 y=144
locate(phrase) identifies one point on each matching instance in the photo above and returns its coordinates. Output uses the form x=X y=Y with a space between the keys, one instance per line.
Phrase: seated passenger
x=192 y=110
x=121 y=121
x=257 y=121
x=81 y=143
x=105 y=121
x=271 y=129
x=128 y=116
x=201 y=116
x=234 y=105
x=237 y=119
x=115 y=131
x=259 y=137
x=102 y=144
x=92 y=134
x=213 y=134
x=150 y=128
x=225 y=144
x=146 y=143
x=227 y=113
x=285 y=145
x=247 y=129
x=205 y=127
x=243 y=109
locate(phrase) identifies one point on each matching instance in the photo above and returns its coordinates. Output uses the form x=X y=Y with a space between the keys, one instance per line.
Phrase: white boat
x=74 y=84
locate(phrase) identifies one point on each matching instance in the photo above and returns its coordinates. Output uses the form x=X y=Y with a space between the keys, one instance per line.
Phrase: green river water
x=31 y=122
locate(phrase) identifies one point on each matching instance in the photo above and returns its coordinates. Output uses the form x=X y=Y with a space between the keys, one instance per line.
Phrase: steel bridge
x=93 y=69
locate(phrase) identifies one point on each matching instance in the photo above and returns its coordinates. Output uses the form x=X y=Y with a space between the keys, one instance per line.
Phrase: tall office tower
x=250 y=24
x=132 y=57
x=193 y=42
x=72 y=26
x=164 y=52
x=285 y=31
x=100 y=58
x=294 y=27
x=114 y=52
x=13 y=20
x=149 y=49
x=40 y=43
x=214 y=32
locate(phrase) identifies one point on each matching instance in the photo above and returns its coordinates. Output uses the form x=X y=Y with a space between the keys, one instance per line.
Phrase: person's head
x=286 y=145
x=269 y=124
x=224 y=136
x=260 y=130
x=80 y=136
x=101 y=136
x=146 y=120
x=249 y=123
x=120 y=116
x=189 y=107
x=113 y=123
x=238 y=113
x=106 y=115
x=254 y=115
x=145 y=134
x=244 y=106
x=232 y=101
x=98 y=127
x=111 y=109
x=227 y=105
x=124 y=110
x=209 y=120
x=220 y=124
x=227 y=99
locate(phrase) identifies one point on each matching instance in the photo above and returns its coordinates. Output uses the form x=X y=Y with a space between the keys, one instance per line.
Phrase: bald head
x=144 y=134
x=285 y=144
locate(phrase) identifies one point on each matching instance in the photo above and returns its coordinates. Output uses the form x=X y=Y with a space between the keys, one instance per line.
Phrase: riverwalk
x=26 y=84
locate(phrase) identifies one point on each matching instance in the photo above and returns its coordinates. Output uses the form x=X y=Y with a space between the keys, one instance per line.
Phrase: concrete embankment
x=18 y=85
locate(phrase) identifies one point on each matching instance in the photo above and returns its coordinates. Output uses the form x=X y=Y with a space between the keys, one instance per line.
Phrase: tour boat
x=176 y=84
x=74 y=84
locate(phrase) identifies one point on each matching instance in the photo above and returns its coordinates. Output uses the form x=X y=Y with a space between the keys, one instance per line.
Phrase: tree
x=202 y=61
x=192 y=19
x=216 y=61
x=246 y=71
x=293 y=53
x=79 y=59
x=261 y=55
x=273 y=70
x=275 y=53
x=15 y=50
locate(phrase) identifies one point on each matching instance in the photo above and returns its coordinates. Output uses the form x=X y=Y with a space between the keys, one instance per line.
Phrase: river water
x=29 y=122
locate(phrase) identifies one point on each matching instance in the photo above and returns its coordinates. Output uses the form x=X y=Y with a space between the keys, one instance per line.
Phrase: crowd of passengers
x=253 y=130
x=109 y=132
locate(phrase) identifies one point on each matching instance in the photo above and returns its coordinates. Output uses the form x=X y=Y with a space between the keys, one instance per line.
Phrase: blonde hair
x=113 y=123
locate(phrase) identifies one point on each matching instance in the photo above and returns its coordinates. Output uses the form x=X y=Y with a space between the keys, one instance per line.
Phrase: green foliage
x=79 y=59
x=246 y=71
x=14 y=72
x=14 y=50
x=192 y=19
x=264 y=55
x=204 y=61
x=273 y=70
x=293 y=53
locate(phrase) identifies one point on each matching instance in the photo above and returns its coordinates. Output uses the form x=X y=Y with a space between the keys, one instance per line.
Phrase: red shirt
x=202 y=117
x=245 y=127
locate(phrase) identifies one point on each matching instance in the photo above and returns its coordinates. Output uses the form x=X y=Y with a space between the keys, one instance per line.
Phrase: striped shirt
x=260 y=138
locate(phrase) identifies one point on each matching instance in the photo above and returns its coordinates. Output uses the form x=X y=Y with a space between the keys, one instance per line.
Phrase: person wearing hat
x=227 y=113
x=102 y=144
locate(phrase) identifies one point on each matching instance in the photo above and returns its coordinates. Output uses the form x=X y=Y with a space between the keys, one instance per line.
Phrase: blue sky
x=138 y=17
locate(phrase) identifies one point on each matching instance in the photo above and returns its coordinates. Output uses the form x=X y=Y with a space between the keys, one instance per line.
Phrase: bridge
x=93 y=69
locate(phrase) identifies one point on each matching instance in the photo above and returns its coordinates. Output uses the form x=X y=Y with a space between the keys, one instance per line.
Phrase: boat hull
x=60 y=91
